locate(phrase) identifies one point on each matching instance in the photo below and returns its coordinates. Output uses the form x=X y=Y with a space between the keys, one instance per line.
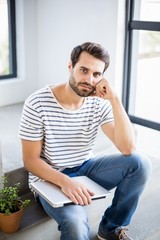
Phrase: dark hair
x=94 y=49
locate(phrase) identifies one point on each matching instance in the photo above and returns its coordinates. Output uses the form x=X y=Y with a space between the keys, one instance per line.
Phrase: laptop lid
x=56 y=198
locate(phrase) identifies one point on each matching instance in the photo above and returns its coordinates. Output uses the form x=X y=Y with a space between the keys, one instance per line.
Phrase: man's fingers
x=81 y=196
x=77 y=192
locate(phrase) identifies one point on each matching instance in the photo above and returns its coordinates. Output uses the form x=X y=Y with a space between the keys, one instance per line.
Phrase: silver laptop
x=56 y=198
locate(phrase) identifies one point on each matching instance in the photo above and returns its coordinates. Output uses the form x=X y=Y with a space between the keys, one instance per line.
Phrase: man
x=58 y=129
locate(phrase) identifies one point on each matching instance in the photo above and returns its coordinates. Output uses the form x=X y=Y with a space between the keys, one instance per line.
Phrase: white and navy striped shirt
x=68 y=136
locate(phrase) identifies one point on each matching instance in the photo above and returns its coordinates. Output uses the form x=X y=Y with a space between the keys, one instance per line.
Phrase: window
x=141 y=94
x=8 y=66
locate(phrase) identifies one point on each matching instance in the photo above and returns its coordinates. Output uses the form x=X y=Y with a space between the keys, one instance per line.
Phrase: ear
x=70 y=66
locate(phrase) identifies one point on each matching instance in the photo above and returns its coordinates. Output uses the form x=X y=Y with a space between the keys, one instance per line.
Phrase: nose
x=90 y=79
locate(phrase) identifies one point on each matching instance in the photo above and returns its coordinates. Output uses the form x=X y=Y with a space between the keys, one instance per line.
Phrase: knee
x=142 y=165
x=76 y=227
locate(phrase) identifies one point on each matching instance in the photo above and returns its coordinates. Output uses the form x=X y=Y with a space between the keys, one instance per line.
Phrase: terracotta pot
x=11 y=223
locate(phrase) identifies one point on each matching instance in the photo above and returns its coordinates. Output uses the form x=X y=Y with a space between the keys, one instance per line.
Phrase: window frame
x=131 y=25
x=12 y=41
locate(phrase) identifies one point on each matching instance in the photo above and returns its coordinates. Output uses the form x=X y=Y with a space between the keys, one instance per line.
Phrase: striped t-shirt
x=68 y=136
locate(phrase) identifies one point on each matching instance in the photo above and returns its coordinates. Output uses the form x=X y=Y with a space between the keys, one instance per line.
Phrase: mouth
x=87 y=86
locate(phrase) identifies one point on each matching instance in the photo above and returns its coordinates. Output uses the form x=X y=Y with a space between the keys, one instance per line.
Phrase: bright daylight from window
x=4 y=38
x=145 y=87
x=149 y=10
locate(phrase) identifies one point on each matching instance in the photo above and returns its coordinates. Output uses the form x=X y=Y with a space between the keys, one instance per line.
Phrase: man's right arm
x=33 y=163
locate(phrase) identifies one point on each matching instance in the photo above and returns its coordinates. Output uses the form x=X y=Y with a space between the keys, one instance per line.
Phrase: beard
x=82 y=89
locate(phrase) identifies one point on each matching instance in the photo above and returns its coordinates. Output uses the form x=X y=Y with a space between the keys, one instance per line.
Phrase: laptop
x=56 y=198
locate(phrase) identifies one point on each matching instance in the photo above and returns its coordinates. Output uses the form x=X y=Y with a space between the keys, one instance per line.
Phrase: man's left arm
x=120 y=131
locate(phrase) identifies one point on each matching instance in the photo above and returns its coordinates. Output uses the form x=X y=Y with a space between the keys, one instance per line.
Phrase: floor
x=145 y=224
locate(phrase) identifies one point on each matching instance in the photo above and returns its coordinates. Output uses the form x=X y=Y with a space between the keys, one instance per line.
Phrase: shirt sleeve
x=31 y=124
x=106 y=112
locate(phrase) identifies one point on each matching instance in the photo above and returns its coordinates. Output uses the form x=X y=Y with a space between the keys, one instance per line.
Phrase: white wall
x=17 y=89
x=47 y=31
x=61 y=25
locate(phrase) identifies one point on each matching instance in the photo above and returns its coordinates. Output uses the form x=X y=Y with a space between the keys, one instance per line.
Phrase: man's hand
x=104 y=90
x=77 y=192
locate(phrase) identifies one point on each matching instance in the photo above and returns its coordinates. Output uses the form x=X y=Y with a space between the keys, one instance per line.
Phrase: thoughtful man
x=58 y=130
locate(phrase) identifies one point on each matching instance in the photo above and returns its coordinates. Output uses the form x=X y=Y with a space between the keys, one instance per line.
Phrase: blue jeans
x=128 y=174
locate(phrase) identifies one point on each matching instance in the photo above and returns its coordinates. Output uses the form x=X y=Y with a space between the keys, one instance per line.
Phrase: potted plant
x=11 y=207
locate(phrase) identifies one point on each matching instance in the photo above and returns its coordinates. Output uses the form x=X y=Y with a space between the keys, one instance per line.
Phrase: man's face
x=87 y=72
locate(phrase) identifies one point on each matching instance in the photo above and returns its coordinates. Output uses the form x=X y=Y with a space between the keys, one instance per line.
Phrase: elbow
x=128 y=149
x=128 y=152
x=26 y=164
x=26 y=168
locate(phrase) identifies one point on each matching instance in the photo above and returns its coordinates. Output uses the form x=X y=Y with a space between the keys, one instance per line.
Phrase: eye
x=97 y=74
x=84 y=70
